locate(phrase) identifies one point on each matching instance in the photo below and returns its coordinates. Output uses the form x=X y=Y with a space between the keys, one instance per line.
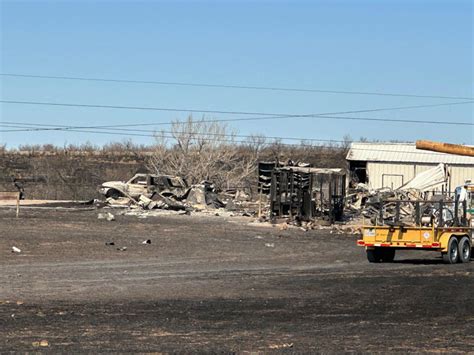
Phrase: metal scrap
x=150 y=195
x=386 y=205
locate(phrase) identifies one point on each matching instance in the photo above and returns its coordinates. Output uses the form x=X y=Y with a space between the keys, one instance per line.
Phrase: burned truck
x=144 y=184
x=161 y=191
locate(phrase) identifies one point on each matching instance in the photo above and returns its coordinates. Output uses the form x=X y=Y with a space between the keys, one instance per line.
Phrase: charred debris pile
x=299 y=192
x=165 y=192
x=294 y=194
x=424 y=200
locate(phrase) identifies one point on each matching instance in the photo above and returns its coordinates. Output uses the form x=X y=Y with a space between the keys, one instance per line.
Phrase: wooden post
x=12 y=196
x=456 y=149
x=18 y=205
x=260 y=202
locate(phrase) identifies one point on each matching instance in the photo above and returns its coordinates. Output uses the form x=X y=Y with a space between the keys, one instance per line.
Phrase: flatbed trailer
x=452 y=238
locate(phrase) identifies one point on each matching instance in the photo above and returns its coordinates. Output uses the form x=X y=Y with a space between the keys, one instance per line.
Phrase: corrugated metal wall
x=389 y=174
x=395 y=174
x=459 y=174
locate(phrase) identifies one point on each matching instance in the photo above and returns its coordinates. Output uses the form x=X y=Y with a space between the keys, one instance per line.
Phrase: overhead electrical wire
x=114 y=129
x=118 y=127
x=49 y=127
x=225 y=86
x=233 y=141
x=266 y=114
x=222 y=138
x=87 y=129
x=218 y=139
x=153 y=133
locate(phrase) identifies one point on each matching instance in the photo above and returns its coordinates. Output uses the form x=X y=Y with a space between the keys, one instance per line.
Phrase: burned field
x=216 y=283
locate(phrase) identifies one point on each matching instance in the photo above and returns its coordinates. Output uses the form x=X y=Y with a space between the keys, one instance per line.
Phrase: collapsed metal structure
x=306 y=193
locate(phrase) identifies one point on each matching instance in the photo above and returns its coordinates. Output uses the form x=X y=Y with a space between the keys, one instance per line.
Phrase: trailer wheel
x=452 y=256
x=374 y=255
x=388 y=254
x=464 y=250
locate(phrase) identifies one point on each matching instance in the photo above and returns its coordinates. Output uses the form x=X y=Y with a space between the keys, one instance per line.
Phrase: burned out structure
x=265 y=169
x=306 y=193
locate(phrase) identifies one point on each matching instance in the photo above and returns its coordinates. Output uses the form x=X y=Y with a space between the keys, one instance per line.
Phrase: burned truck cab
x=143 y=184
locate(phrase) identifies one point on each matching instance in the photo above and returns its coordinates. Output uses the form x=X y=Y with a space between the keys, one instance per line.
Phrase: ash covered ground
x=218 y=284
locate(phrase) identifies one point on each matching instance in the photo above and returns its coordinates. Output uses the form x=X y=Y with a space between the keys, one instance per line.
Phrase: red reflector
x=369 y=244
x=435 y=245
x=360 y=242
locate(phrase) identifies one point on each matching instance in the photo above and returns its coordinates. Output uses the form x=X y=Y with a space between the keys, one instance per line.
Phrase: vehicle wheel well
x=114 y=193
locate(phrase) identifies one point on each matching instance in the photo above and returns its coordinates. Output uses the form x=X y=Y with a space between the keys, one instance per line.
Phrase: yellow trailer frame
x=381 y=242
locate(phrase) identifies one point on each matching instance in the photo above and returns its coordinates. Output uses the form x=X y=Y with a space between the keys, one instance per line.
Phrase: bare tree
x=199 y=150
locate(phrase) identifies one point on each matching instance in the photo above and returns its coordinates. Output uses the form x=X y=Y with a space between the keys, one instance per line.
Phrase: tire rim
x=454 y=251
x=466 y=251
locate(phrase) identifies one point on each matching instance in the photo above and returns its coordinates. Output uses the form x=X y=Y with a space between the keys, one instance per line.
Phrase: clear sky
x=415 y=47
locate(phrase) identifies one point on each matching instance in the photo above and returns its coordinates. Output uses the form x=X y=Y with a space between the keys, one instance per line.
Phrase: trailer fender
x=445 y=237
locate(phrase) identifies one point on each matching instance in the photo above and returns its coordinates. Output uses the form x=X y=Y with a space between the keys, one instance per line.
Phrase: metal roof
x=402 y=153
x=324 y=171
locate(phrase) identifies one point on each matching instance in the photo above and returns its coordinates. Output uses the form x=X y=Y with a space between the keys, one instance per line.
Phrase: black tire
x=388 y=254
x=464 y=250
x=452 y=256
x=374 y=255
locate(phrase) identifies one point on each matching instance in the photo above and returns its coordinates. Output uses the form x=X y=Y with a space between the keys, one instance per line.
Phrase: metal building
x=393 y=164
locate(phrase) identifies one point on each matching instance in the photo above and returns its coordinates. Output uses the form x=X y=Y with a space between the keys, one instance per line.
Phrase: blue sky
x=415 y=47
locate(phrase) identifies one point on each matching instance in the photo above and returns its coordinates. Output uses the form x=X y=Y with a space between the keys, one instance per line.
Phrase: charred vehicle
x=143 y=184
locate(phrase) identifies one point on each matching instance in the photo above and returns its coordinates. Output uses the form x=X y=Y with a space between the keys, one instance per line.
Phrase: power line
x=224 y=86
x=142 y=108
x=266 y=114
x=218 y=139
x=169 y=135
x=153 y=133
x=83 y=131
x=49 y=127
x=87 y=129
x=40 y=127
x=117 y=127
x=233 y=141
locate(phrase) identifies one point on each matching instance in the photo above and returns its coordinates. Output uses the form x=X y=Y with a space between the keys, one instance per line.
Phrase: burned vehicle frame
x=142 y=184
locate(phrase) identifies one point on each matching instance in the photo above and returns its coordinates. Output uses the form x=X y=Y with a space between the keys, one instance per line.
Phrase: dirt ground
x=218 y=285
